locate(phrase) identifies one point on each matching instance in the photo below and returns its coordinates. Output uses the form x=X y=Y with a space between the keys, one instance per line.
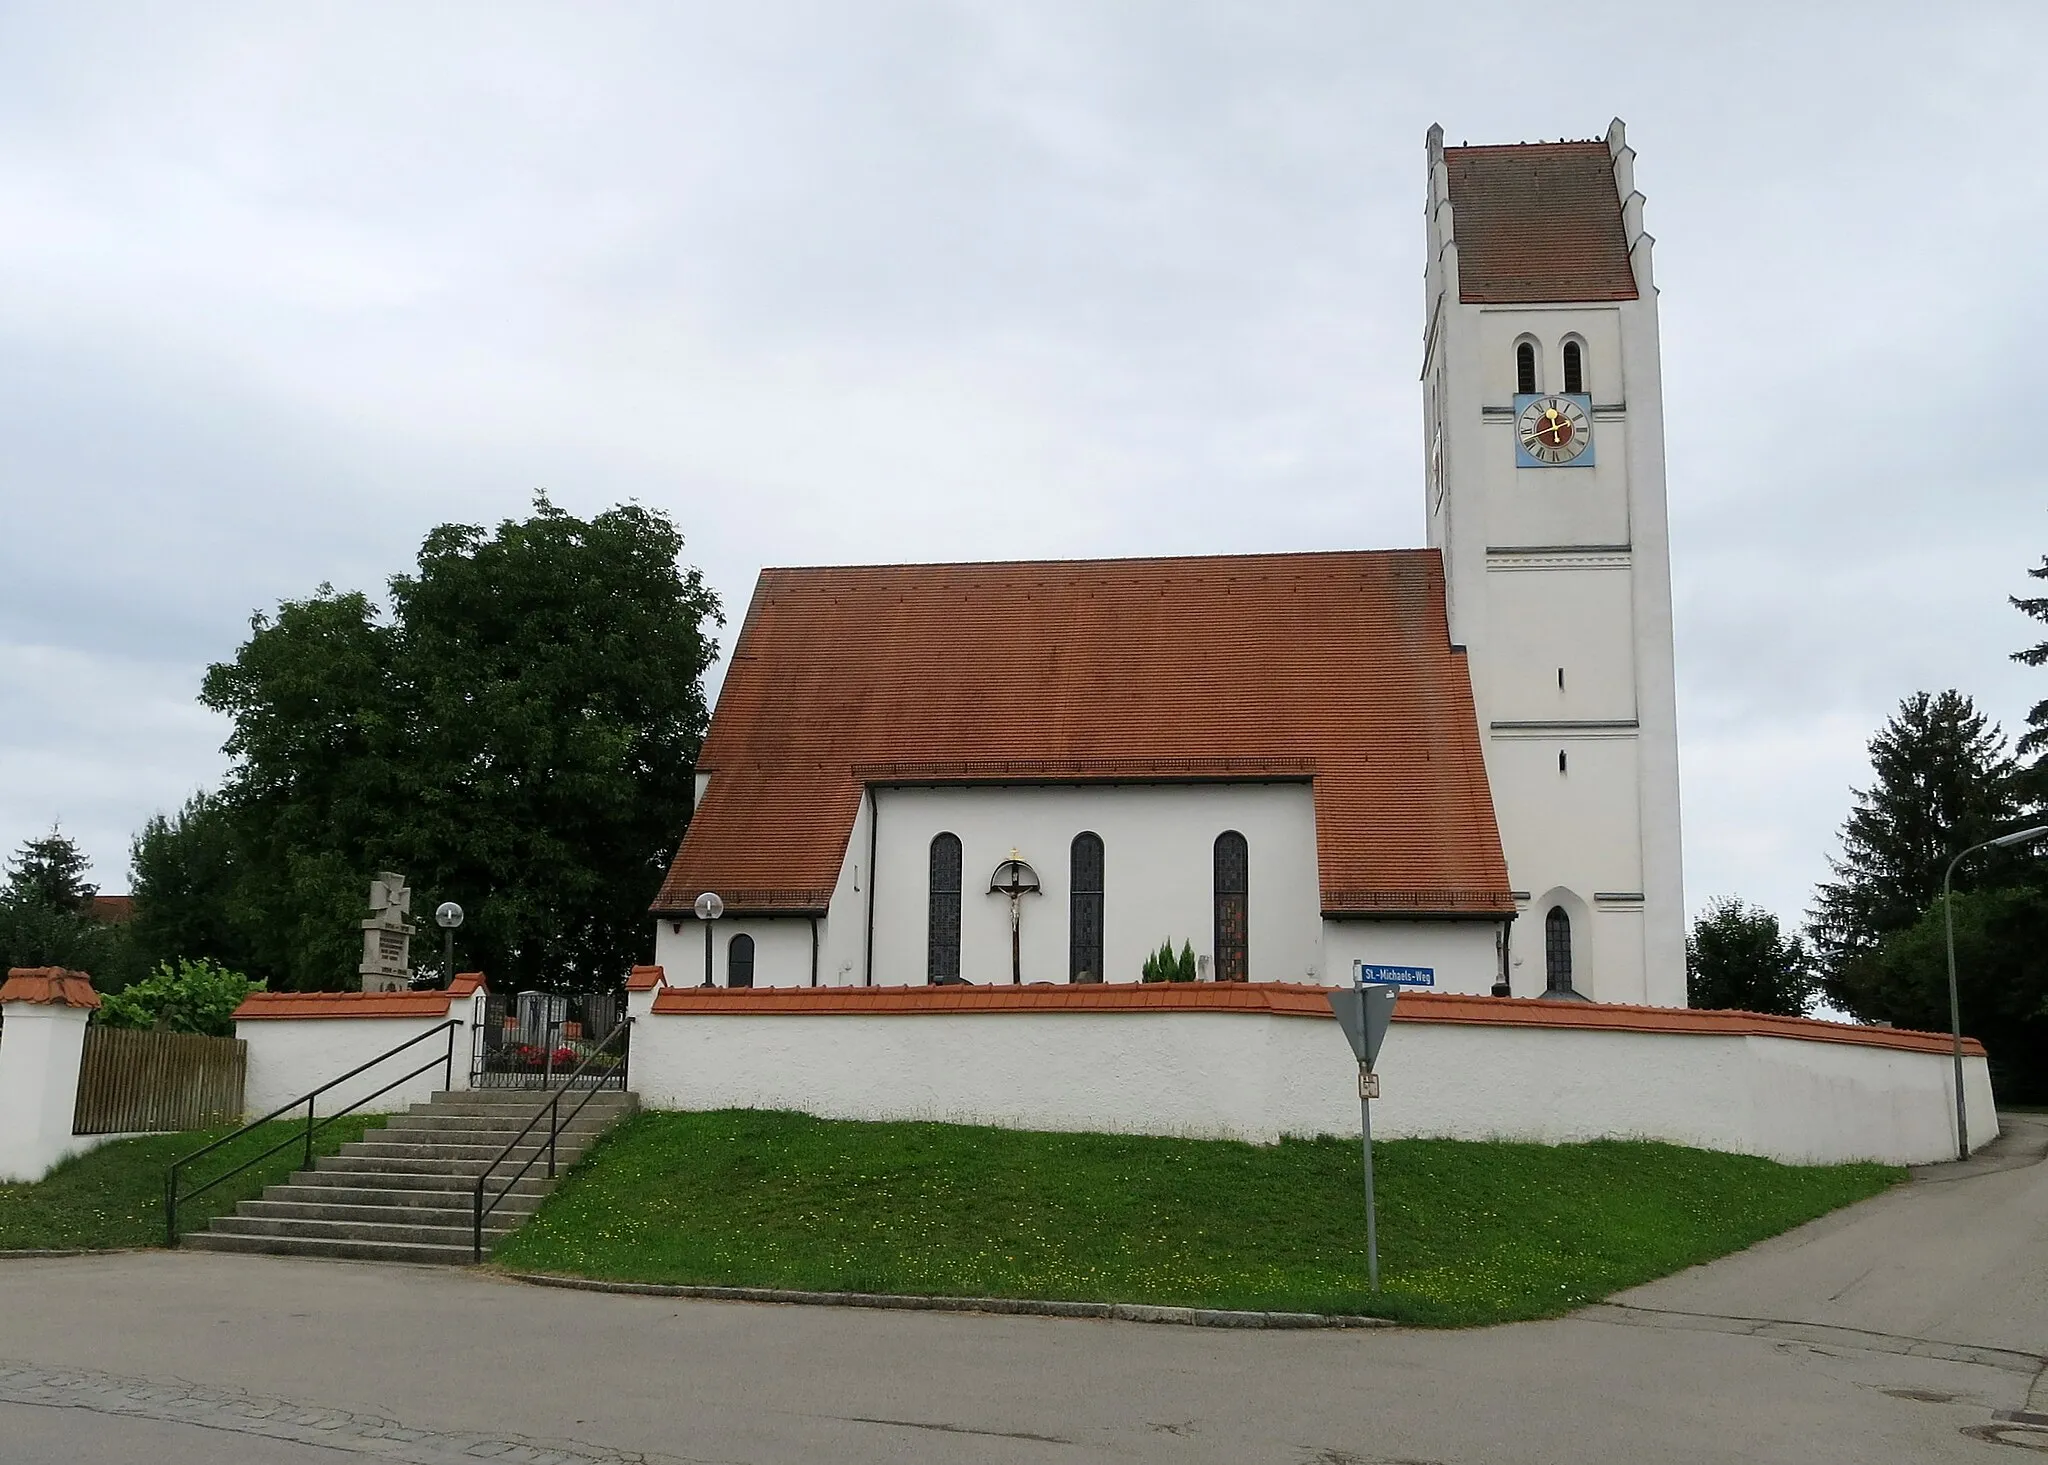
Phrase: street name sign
x=1394 y=976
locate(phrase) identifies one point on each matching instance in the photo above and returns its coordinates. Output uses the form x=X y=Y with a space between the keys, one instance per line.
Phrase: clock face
x=1553 y=430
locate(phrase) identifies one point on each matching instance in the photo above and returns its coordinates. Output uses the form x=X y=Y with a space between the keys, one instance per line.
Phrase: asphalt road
x=1909 y=1329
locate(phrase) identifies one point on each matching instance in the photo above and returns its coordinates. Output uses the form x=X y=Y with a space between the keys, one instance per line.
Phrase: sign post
x=1364 y=1011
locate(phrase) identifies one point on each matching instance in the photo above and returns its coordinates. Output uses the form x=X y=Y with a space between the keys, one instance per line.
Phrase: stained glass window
x=1233 y=890
x=1084 y=911
x=1557 y=950
x=942 y=957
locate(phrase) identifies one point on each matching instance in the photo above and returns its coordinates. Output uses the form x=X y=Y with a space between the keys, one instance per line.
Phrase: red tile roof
x=49 y=986
x=1538 y=222
x=1335 y=668
x=433 y=1002
x=644 y=979
x=115 y=910
x=1283 y=999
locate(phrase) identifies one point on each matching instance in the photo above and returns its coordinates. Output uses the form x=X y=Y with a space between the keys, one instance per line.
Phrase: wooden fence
x=134 y=1082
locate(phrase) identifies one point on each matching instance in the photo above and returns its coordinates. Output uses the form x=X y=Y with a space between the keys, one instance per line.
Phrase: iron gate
x=533 y=1040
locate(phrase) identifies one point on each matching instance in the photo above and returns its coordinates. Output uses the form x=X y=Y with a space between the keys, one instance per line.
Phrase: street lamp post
x=708 y=908
x=1955 y=1009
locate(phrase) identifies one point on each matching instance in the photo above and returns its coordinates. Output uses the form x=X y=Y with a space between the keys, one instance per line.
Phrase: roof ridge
x=1260 y=556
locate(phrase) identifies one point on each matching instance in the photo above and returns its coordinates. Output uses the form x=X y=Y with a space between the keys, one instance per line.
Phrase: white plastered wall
x=1158 y=863
x=40 y=1048
x=290 y=1056
x=1257 y=1076
x=1564 y=567
x=1463 y=954
x=782 y=950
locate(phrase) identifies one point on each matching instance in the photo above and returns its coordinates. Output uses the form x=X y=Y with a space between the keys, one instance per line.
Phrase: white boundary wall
x=288 y=1056
x=40 y=1046
x=1257 y=1076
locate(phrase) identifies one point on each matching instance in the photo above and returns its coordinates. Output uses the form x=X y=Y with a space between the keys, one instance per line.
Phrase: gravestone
x=387 y=938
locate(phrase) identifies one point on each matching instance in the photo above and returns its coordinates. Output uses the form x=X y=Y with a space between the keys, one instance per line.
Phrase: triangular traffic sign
x=1363 y=1013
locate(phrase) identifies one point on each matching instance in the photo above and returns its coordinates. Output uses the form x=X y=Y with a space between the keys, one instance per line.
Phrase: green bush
x=1163 y=966
x=182 y=997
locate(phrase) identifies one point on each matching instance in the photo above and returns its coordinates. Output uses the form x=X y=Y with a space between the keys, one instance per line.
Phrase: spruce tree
x=49 y=874
x=2033 y=742
x=1942 y=781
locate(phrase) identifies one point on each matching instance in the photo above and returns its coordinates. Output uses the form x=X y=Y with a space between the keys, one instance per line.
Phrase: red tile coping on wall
x=50 y=986
x=1284 y=999
x=268 y=1006
x=644 y=979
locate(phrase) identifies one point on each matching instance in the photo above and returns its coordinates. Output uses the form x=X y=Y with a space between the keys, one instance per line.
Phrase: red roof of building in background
x=49 y=986
x=115 y=910
x=1538 y=222
x=1335 y=668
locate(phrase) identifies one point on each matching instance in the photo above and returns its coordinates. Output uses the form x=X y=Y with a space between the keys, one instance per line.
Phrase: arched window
x=1557 y=950
x=942 y=955
x=1525 y=368
x=1574 y=368
x=1233 y=892
x=739 y=962
x=1084 y=910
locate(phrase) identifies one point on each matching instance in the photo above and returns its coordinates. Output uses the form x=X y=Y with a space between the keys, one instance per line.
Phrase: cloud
x=910 y=281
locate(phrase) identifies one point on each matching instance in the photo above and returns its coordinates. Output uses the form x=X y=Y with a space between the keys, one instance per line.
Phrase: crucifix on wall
x=1016 y=879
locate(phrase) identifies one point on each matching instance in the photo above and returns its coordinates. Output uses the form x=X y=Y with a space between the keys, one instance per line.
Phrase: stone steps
x=407 y=1192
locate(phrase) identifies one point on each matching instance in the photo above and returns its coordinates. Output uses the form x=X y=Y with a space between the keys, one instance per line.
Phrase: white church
x=1461 y=758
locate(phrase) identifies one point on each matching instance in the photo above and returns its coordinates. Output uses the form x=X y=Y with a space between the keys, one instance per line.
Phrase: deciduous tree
x=517 y=732
x=1736 y=957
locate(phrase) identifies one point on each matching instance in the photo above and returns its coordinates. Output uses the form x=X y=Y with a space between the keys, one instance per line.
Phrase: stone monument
x=387 y=939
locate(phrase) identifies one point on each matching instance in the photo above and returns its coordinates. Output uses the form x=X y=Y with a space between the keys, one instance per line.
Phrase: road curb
x=1126 y=1312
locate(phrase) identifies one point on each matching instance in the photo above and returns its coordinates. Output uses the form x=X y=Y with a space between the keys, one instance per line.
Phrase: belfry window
x=1574 y=368
x=739 y=962
x=1084 y=910
x=1233 y=908
x=1557 y=950
x=1525 y=368
x=942 y=952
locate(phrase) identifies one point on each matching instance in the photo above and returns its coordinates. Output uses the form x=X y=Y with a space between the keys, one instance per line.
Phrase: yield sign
x=1363 y=1013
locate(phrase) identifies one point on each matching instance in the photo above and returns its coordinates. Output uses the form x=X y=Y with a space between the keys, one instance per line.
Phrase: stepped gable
x=1330 y=668
x=1537 y=222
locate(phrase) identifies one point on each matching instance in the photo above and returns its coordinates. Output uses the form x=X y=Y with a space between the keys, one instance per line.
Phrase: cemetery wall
x=1260 y=1061
x=299 y=1040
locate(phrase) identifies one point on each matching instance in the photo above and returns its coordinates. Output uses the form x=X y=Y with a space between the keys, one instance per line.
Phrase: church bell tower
x=1543 y=430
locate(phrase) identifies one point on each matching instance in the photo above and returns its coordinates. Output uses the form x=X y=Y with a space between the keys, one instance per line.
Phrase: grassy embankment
x=113 y=1196
x=1469 y=1233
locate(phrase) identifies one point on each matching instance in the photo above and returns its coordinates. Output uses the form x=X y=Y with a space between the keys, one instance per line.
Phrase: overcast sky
x=282 y=286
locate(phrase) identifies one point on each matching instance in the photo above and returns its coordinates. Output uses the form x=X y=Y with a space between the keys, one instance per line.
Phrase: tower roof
x=1537 y=223
x=1331 y=669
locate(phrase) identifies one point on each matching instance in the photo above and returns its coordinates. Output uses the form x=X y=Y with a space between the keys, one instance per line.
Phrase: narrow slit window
x=1525 y=368
x=1233 y=908
x=1560 y=760
x=1084 y=910
x=739 y=962
x=942 y=953
x=1574 y=368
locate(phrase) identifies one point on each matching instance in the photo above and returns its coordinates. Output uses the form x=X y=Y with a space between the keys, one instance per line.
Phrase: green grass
x=113 y=1196
x=1469 y=1233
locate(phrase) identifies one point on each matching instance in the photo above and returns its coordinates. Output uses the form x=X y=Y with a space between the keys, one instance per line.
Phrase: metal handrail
x=552 y=1107
x=172 y=1200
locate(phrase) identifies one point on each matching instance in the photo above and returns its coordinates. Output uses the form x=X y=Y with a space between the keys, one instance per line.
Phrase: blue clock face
x=1553 y=430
